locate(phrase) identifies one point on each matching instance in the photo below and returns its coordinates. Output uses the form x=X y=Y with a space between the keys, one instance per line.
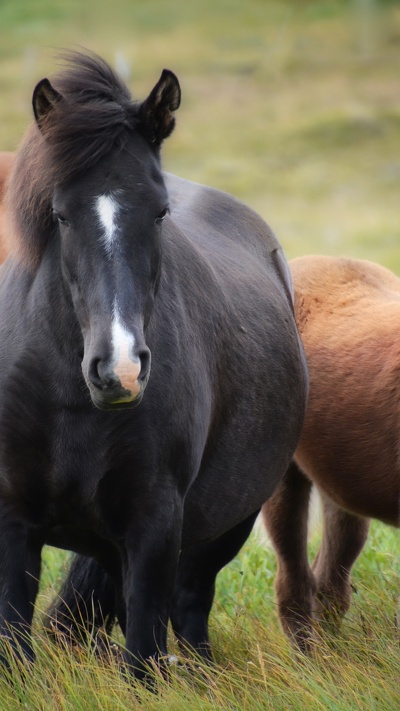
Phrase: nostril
x=100 y=376
x=145 y=361
x=93 y=373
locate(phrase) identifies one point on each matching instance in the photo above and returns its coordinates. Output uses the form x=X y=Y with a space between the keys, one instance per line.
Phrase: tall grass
x=255 y=667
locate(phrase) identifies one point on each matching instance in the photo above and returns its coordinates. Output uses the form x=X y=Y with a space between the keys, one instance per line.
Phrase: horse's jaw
x=125 y=401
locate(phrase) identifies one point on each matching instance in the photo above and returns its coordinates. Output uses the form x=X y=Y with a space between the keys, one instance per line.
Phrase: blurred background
x=291 y=105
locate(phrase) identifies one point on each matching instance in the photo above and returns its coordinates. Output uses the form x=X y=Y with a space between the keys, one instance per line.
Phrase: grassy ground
x=293 y=106
x=256 y=669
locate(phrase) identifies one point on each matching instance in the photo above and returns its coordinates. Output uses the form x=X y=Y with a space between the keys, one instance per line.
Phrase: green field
x=294 y=107
x=255 y=669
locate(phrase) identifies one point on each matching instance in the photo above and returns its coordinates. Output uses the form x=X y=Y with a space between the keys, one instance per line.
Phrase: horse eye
x=60 y=217
x=162 y=214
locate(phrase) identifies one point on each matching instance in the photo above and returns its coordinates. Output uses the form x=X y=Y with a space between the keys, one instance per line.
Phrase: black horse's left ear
x=156 y=112
x=45 y=97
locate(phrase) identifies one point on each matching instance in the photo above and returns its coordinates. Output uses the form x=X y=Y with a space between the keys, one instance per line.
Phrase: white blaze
x=123 y=341
x=124 y=364
x=107 y=210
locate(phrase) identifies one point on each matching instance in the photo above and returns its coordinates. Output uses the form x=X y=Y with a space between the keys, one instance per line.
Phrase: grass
x=255 y=666
x=294 y=107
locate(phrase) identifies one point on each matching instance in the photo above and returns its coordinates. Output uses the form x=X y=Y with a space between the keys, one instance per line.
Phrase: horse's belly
x=233 y=485
x=362 y=483
x=349 y=444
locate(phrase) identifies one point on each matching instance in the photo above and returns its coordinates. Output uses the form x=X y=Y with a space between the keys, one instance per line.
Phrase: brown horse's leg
x=286 y=520
x=344 y=535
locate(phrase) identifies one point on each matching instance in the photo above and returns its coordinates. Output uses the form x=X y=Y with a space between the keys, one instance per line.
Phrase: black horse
x=120 y=271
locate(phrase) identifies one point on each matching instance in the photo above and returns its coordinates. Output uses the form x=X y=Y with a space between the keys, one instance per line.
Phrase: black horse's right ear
x=156 y=112
x=45 y=97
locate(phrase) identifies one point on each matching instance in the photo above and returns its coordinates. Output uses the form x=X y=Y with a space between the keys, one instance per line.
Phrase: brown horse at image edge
x=348 y=315
x=6 y=161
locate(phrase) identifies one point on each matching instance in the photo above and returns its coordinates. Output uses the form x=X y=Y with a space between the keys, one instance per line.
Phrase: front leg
x=149 y=570
x=20 y=560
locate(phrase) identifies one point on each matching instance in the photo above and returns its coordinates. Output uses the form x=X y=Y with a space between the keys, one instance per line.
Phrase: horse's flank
x=348 y=314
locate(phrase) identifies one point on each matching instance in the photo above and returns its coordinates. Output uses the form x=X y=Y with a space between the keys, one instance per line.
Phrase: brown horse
x=6 y=161
x=348 y=314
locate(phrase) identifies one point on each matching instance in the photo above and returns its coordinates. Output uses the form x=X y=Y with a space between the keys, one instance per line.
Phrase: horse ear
x=156 y=112
x=44 y=99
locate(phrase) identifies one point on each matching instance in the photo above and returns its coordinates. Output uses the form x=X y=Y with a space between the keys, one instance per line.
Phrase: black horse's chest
x=89 y=470
x=56 y=462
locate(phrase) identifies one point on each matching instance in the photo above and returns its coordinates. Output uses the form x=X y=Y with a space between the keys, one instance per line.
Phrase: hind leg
x=286 y=520
x=344 y=536
x=86 y=603
x=89 y=602
x=195 y=586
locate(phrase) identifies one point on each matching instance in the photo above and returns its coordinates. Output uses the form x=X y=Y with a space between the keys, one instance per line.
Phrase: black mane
x=96 y=113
